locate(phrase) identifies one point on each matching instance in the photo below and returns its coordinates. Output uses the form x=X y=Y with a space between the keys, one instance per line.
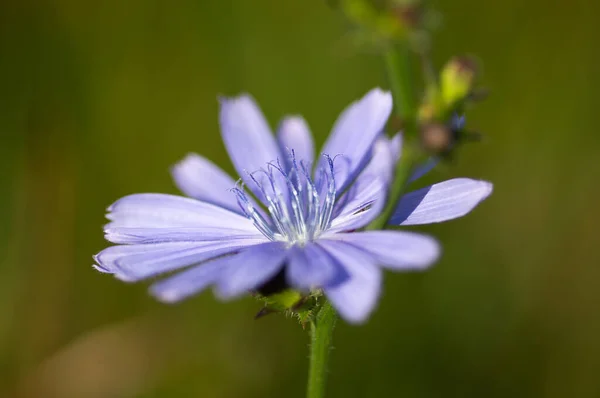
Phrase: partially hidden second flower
x=289 y=217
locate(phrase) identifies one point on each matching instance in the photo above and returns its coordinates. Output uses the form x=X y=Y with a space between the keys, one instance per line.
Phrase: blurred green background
x=99 y=99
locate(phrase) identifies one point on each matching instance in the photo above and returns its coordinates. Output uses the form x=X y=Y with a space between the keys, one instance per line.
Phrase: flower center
x=299 y=207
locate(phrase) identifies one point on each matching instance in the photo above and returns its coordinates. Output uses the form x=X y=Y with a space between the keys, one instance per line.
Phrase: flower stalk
x=398 y=65
x=321 y=334
x=399 y=70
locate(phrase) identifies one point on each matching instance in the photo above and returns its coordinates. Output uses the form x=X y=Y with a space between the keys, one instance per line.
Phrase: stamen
x=273 y=205
x=330 y=197
x=296 y=204
x=299 y=209
x=248 y=208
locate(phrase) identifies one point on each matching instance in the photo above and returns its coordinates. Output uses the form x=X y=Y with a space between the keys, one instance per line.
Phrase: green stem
x=401 y=175
x=321 y=334
x=399 y=70
x=398 y=65
x=321 y=329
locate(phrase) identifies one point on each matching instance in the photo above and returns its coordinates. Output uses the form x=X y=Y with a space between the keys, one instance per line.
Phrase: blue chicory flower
x=307 y=224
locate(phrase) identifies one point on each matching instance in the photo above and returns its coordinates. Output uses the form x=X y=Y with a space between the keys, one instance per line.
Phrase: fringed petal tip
x=99 y=268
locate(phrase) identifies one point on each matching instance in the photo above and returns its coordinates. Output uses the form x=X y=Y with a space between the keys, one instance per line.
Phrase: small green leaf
x=291 y=303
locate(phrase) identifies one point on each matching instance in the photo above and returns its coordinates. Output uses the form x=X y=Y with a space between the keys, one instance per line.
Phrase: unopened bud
x=457 y=80
x=432 y=107
x=409 y=15
x=441 y=139
x=437 y=138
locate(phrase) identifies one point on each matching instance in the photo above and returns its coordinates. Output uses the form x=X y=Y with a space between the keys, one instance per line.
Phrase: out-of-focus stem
x=402 y=173
x=398 y=65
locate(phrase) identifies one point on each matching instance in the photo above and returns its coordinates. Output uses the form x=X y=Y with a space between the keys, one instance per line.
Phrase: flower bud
x=432 y=107
x=457 y=79
x=290 y=303
x=437 y=138
x=441 y=139
x=376 y=23
x=409 y=14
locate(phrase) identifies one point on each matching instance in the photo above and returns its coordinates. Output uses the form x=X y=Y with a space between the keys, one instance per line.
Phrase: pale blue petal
x=341 y=170
x=396 y=143
x=294 y=134
x=137 y=262
x=362 y=209
x=150 y=210
x=199 y=178
x=189 y=282
x=397 y=250
x=366 y=198
x=247 y=137
x=129 y=236
x=354 y=298
x=382 y=162
x=311 y=267
x=441 y=202
x=250 y=269
x=356 y=129
x=423 y=169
